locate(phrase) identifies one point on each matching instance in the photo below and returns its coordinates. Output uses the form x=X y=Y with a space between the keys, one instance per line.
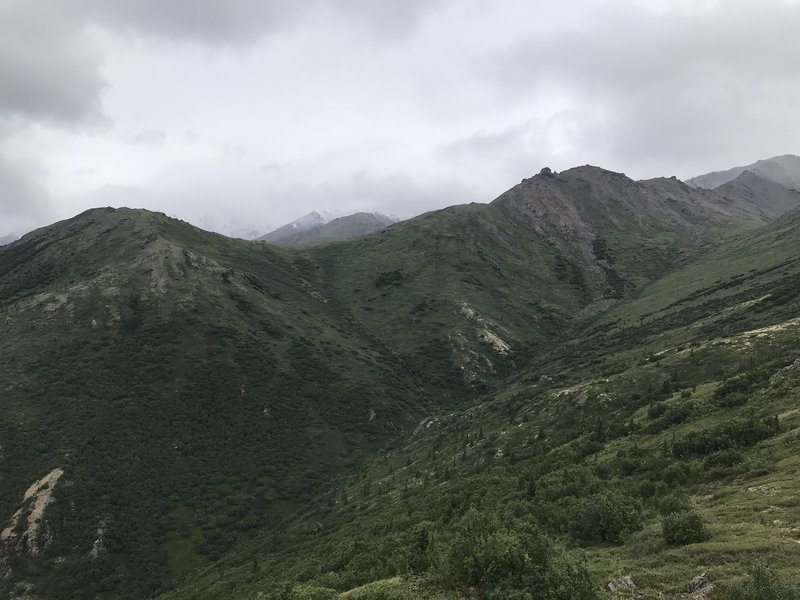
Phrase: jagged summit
x=304 y=223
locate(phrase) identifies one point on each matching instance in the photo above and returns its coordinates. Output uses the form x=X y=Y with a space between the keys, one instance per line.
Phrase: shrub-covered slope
x=185 y=413
x=658 y=442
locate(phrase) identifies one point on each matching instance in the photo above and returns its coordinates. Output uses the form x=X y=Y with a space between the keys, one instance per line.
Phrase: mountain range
x=784 y=170
x=314 y=228
x=588 y=382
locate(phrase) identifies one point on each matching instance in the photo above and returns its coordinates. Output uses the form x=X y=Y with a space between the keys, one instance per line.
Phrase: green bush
x=607 y=517
x=674 y=502
x=509 y=559
x=737 y=433
x=686 y=527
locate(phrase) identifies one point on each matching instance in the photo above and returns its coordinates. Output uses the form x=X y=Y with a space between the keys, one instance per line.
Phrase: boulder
x=622 y=584
x=700 y=587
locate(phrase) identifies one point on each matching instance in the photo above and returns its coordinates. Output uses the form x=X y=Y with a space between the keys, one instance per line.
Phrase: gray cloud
x=221 y=202
x=51 y=72
x=242 y=21
x=23 y=200
x=203 y=20
x=149 y=137
x=397 y=193
x=47 y=69
x=671 y=88
x=519 y=150
x=248 y=113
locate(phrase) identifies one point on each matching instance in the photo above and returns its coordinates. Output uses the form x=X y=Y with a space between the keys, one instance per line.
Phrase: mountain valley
x=590 y=379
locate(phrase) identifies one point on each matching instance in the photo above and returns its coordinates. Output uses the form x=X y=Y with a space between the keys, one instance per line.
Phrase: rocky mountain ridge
x=784 y=169
x=205 y=405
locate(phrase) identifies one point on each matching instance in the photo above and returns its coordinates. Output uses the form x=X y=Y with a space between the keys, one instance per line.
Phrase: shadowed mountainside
x=784 y=170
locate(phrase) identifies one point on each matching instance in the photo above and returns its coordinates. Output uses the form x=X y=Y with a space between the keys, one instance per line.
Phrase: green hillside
x=588 y=378
x=676 y=409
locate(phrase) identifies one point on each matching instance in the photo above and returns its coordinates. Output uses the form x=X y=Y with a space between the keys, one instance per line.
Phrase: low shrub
x=508 y=558
x=607 y=517
x=681 y=528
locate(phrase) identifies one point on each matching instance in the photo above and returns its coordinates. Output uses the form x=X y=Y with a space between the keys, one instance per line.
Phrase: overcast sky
x=240 y=115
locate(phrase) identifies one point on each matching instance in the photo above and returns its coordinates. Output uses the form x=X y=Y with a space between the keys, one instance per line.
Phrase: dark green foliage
x=389 y=278
x=507 y=558
x=607 y=517
x=666 y=417
x=738 y=433
x=733 y=391
x=250 y=420
x=684 y=527
x=674 y=502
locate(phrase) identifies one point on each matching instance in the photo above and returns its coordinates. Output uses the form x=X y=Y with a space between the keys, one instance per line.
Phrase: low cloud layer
x=241 y=115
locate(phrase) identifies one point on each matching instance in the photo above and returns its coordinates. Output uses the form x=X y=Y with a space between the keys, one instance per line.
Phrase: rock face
x=582 y=211
x=28 y=532
x=622 y=584
x=99 y=544
x=700 y=587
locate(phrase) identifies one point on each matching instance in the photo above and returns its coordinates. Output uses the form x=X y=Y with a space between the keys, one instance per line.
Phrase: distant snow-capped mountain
x=315 y=228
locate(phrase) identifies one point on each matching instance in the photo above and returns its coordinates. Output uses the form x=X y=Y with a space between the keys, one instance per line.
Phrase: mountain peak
x=783 y=169
x=594 y=171
x=305 y=223
x=766 y=198
x=315 y=229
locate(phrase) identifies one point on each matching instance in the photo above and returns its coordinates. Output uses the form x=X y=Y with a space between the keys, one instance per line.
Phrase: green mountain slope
x=684 y=408
x=186 y=394
x=209 y=417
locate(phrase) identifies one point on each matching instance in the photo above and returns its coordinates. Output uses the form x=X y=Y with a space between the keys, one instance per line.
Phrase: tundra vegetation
x=586 y=380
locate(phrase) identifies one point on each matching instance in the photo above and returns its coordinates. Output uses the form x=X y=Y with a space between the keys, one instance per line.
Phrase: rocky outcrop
x=785 y=371
x=700 y=587
x=99 y=544
x=28 y=532
x=621 y=584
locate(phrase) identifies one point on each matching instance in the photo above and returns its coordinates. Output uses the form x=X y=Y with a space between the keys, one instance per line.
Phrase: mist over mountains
x=315 y=228
x=784 y=170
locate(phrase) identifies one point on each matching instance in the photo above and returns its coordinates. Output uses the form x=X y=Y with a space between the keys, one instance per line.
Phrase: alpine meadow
x=589 y=384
